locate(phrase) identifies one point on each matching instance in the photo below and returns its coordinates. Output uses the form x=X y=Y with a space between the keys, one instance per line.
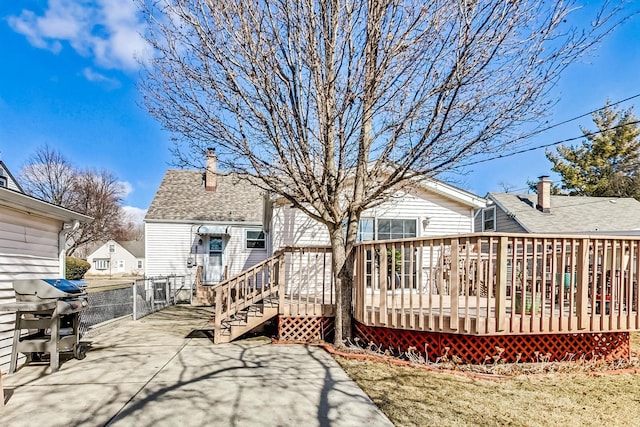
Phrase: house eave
x=13 y=199
x=203 y=222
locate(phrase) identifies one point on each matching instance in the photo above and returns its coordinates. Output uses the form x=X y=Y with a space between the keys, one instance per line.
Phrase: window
x=139 y=263
x=101 y=264
x=256 y=239
x=3 y=181
x=396 y=228
x=489 y=219
x=112 y=247
x=366 y=230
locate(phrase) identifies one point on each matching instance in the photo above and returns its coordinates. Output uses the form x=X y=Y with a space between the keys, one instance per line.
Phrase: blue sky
x=69 y=74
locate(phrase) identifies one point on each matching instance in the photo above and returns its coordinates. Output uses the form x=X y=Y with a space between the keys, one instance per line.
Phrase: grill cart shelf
x=49 y=310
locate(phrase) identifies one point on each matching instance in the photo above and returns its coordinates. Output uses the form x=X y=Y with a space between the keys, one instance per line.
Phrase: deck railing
x=308 y=287
x=489 y=284
x=299 y=279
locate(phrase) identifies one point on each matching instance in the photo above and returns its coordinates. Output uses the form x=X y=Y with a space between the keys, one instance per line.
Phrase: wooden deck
x=580 y=284
x=477 y=284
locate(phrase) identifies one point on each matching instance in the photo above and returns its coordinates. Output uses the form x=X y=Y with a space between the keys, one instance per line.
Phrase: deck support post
x=501 y=283
x=583 y=284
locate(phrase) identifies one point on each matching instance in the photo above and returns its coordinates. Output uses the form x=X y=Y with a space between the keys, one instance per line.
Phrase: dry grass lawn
x=416 y=397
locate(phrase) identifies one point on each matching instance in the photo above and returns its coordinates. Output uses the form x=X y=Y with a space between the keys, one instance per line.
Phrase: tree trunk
x=343 y=262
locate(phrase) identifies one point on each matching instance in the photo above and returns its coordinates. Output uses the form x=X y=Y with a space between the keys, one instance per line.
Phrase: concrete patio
x=164 y=370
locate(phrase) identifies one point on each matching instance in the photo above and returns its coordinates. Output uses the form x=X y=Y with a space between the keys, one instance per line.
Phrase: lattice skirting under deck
x=475 y=349
x=305 y=329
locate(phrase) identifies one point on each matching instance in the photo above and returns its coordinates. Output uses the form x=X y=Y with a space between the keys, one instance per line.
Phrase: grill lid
x=46 y=289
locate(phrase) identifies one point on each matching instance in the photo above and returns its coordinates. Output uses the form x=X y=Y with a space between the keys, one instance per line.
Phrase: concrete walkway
x=163 y=370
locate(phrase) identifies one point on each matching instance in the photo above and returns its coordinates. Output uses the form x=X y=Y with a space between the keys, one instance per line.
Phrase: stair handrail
x=227 y=305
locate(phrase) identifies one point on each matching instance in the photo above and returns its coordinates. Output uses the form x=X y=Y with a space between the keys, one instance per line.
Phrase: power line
x=551 y=144
x=575 y=118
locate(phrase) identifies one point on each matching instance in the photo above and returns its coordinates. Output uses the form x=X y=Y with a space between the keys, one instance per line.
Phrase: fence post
x=167 y=290
x=135 y=300
x=501 y=283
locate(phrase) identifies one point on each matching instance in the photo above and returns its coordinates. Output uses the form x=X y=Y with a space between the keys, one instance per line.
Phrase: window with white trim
x=255 y=239
x=3 y=182
x=139 y=263
x=396 y=228
x=101 y=264
x=489 y=219
x=112 y=247
x=366 y=230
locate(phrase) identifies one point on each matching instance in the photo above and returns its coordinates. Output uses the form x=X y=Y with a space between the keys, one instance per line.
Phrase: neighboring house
x=7 y=180
x=226 y=224
x=544 y=213
x=32 y=245
x=117 y=258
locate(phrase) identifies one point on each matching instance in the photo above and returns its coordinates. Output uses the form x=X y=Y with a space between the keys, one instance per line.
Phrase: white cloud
x=126 y=188
x=106 y=30
x=135 y=215
x=94 y=76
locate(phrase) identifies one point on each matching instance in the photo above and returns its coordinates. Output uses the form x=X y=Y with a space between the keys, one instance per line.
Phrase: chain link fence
x=136 y=298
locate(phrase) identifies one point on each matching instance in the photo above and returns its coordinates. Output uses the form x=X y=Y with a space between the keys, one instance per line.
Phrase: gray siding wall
x=503 y=223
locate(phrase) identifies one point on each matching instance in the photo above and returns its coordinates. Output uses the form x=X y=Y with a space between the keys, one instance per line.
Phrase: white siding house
x=213 y=221
x=32 y=246
x=429 y=209
x=113 y=258
x=225 y=224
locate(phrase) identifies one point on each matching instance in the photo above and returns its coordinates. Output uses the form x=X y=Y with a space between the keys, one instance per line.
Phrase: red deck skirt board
x=478 y=349
x=305 y=329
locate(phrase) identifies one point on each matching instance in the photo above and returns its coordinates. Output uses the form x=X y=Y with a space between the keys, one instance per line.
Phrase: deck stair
x=244 y=301
x=247 y=320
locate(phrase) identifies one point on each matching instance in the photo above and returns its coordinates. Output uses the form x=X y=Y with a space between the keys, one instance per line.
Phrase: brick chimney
x=210 y=181
x=544 y=194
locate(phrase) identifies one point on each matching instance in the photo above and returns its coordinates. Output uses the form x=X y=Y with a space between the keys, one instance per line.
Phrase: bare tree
x=336 y=104
x=97 y=194
x=49 y=176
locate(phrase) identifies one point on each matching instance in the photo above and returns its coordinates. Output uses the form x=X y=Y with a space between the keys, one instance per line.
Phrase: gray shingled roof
x=571 y=214
x=182 y=196
x=135 y=247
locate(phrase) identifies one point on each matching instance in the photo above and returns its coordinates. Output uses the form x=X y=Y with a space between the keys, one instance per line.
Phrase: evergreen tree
x=607 y=163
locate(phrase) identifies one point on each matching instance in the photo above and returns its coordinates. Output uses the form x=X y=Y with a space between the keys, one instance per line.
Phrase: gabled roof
x=455 y=193
x=571 y=213
x=4 y=171
x=135 y=247
x=182 y=197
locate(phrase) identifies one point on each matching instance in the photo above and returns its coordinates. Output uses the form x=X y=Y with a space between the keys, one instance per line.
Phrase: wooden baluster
x=455 y=285
x=501 y=283
x=383 y=285
x=582 y=293
x=217 y=332
x=412 y=286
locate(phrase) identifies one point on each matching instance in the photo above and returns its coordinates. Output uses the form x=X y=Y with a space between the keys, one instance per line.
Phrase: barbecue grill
x=50 y=310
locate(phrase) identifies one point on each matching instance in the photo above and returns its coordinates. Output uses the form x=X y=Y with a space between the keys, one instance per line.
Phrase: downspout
x=62 y=245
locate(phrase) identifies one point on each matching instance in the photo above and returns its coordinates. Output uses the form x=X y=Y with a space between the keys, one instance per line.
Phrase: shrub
x=76 y=268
